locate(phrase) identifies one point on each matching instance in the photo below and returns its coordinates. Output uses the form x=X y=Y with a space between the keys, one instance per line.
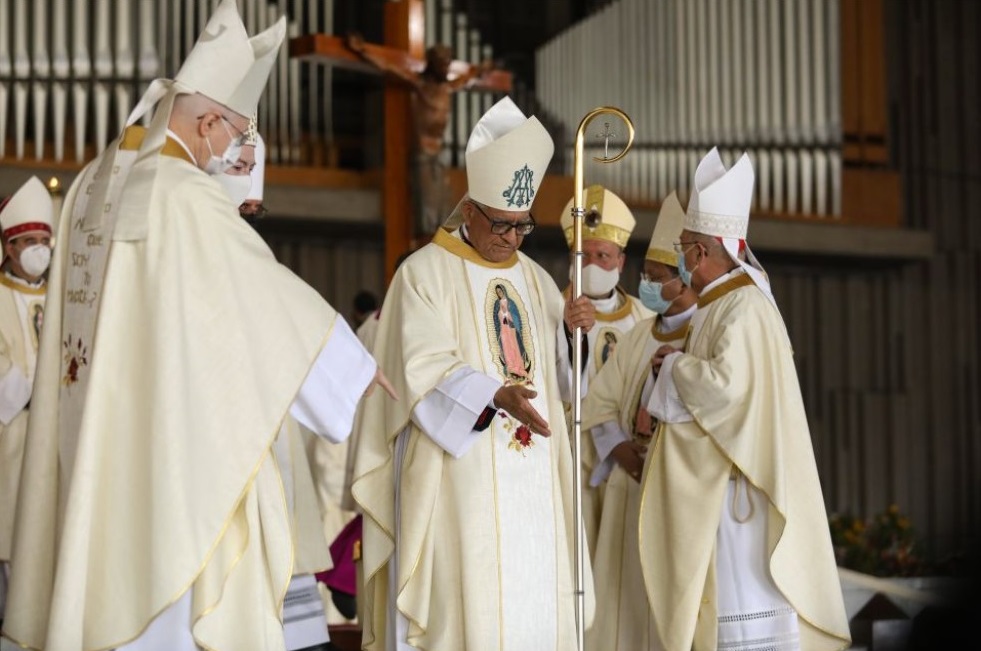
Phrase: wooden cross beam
x=404 y=48
x=332 y=50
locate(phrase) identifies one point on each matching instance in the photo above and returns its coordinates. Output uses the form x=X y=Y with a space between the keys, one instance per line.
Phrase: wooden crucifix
x=416 y=110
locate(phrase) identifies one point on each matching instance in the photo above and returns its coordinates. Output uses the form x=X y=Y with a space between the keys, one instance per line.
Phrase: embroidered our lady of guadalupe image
x=606 y=343
x=510 y=340
x=36 y=313
x=509 y=332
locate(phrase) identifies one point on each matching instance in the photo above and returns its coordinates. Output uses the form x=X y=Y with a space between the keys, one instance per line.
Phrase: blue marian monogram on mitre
x=522 y=189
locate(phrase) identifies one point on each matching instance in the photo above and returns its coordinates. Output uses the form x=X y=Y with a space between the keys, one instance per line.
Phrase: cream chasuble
x=737 y=379
x=167 y=366
x=623 y=617
x=612 y=325
x=21 y=315
x=483 y=542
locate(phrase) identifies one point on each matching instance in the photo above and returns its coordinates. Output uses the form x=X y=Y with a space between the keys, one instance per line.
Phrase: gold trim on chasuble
x=742 y=280
x=512 y=348
x=668 y=337
x=461 y=249
x=624 y=310
x=23 y=289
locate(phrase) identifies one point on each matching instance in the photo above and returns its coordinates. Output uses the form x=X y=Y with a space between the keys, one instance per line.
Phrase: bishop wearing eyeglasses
x=466 y=484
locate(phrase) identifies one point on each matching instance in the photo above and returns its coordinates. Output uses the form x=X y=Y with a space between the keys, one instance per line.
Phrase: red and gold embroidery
x=76 y=357
x=521 y=436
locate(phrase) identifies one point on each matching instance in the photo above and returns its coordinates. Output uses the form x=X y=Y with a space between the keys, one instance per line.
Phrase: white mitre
x=719 y=206
x=507 y=155
x=616 y=220
x=228 y=66
x=667 y=231
x=29 y=211
x=720 y=201
x=224 y=65
x=258 y=172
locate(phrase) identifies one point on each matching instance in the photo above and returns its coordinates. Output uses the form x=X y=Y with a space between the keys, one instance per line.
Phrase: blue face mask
x=650 y=295
x=682 y=271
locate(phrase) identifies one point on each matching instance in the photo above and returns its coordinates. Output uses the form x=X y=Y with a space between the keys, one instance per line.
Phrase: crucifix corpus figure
x=433 y=88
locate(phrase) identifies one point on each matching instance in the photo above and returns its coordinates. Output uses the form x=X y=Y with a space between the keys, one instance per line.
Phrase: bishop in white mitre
x=734 y=540
x=174 y=348
x=466 y=485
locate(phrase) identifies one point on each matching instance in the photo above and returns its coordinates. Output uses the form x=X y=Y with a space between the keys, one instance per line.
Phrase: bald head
x=207 y=128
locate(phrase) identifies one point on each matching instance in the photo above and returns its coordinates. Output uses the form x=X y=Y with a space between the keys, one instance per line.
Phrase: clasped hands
x=658 y=358
x=630 y=456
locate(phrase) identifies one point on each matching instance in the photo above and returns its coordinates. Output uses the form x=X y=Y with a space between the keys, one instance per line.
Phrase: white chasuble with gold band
x=623 y=616
x=480 y=549
x=734 y=576
x=167 y=365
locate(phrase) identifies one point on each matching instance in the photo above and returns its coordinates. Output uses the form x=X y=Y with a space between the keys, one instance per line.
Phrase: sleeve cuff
x=328 y=399
x=451 y=413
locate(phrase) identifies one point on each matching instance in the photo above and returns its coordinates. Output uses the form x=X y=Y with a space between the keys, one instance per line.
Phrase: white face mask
x=220 y=164
x=596 y=281
x=35 y=259
x=237 y=186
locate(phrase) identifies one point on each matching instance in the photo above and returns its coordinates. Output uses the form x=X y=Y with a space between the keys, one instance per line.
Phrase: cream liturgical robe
x=610 y=412
x=482 y=537
x=152 y=480
x=21 y=315
x=737 y=379
x=615 y=316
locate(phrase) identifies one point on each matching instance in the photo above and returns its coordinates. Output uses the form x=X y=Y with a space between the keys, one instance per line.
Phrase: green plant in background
x=884 y=545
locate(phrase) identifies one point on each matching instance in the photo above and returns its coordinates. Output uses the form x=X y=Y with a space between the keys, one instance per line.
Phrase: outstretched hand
x=383 y=382
x=516 y=400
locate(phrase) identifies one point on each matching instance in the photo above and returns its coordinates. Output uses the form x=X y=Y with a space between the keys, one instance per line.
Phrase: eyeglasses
x=651 y=279
x=238 y=139
x=502 y=226
x=682 y=247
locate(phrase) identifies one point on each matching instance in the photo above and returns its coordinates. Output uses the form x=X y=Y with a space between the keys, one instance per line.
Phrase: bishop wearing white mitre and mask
x=174 y=348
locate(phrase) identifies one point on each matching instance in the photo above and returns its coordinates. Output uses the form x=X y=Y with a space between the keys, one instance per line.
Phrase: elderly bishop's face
x=486 y=230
